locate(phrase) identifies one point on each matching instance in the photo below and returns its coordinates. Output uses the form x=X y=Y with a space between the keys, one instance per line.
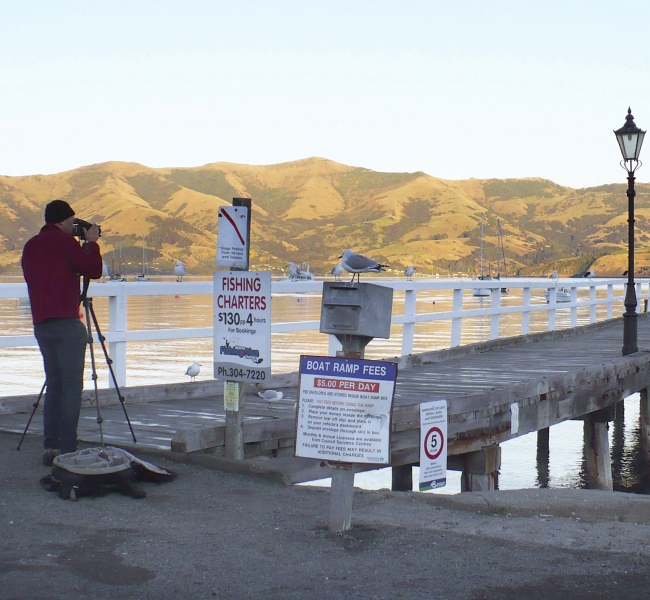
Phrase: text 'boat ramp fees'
x=345 y=409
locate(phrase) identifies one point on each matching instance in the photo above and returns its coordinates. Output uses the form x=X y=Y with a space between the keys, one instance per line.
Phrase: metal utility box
x=360 y=309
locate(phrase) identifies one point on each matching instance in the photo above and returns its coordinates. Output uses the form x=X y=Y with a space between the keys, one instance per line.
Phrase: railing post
x=456 y=321
x=638 y=295
x=117 y=325
x=333 y=346
x=574 y=309
x=495 y=319
x=525 y=315
x=610 y=300
x=409 y=324
x=592 y=306
x=552 y=301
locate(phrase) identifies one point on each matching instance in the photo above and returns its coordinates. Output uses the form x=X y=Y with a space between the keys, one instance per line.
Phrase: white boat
x=301 y=274
x=145 y=265
x=562 y=294
x=481 y=292
x=106 y=272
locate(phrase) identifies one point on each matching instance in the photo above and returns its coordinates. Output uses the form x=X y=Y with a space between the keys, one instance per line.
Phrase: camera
x=80 y=226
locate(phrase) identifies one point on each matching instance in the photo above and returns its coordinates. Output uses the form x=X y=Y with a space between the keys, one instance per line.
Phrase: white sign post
x=433 y=445
x=242 y=326
x=232 y=237
x=344 y=409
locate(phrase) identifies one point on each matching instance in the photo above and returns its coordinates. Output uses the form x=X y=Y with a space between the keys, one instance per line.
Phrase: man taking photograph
x=52 y=263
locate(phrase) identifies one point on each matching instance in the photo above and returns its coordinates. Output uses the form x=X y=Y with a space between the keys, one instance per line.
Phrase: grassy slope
x=310 y=210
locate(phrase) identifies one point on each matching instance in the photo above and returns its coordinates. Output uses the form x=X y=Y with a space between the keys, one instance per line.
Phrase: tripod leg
x=109 y=362
x=88 y=306
x=38 y=400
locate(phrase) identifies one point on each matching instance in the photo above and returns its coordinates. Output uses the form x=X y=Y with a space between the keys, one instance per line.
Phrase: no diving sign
x=232 y=237
x=433 y=445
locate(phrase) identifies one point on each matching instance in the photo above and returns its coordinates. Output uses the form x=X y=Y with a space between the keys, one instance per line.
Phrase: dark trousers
x=63 y=346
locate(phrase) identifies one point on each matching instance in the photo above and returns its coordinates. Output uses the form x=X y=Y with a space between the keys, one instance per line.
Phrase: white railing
x=528 y=302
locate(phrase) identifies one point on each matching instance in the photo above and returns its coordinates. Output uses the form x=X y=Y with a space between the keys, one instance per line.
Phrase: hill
x=310 y=210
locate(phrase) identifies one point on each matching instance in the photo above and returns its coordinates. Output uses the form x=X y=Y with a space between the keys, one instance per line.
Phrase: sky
x=499 y=89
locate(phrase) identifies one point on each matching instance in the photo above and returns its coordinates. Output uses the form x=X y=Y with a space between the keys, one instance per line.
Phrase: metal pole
x=342 y=487
x=629 y=316
x=234 y=434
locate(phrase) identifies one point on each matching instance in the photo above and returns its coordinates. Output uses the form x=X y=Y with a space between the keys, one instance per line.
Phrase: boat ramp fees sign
x=433 y=445
x=232 y=242
x=344 y=409
x=242 y=326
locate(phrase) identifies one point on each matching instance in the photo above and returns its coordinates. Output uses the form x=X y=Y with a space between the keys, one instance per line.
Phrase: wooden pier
x=551 y=377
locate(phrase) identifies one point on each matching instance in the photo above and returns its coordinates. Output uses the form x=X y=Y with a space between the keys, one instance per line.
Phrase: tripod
x=90 y=313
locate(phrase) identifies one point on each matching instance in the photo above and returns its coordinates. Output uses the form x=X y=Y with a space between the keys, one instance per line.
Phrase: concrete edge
x=577 y=504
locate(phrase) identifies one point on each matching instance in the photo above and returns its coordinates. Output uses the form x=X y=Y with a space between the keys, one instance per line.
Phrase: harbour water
x=166 y=362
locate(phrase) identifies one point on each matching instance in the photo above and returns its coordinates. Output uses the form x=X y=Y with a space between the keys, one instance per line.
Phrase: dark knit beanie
x=57 y=211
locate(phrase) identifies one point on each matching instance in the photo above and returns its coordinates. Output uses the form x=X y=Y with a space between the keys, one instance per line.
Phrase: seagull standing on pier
x=357 y=263
x=179 y=271
x=337 y=271
x=193 y=370
x=270 y=396
x=409 y=273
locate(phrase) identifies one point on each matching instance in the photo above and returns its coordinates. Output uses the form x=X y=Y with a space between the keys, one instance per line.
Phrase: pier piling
x=599 y=463
x=543 y=454
x=645 y=426
x=481 y=469
x=402 y=477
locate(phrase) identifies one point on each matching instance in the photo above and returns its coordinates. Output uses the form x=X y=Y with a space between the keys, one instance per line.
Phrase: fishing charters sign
x=242 y=326
x=345 y=409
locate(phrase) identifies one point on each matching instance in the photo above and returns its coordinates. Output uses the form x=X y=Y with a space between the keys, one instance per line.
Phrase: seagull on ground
x=337 y=270
x=193 y=370
x=270 y=396
x=179 y=271
x=294 y=271
x=409 y=273
x=357 y=263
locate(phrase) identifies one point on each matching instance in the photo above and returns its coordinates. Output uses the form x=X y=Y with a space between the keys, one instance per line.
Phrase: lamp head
x=630 y=138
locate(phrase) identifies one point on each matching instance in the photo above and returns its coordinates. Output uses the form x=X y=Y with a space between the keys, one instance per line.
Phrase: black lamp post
x=630 y=139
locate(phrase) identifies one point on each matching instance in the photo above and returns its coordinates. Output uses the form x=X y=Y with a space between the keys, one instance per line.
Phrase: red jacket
x=52 y=263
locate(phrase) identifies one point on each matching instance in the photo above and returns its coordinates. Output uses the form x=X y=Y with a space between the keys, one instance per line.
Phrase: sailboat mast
x=501 y=248
x=481 y=275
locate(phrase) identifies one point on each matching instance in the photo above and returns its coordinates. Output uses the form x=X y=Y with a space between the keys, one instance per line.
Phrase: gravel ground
x=209 y=534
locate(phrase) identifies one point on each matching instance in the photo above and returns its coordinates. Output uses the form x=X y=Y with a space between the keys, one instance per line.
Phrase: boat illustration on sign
x=244 y=352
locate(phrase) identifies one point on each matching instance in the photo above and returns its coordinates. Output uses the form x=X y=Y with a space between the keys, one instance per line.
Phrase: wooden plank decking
x=552 y=377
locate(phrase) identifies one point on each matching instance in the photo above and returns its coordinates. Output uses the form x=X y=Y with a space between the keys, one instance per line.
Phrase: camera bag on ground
x=97 y=471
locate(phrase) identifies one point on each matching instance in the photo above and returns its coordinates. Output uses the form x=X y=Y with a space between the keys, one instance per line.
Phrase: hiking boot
x=48 y=456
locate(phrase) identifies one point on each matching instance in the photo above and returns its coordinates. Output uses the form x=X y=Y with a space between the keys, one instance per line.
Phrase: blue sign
x=348 y=367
